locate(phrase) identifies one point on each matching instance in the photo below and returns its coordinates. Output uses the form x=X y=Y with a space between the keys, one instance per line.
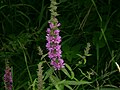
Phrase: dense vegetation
x=90 y=31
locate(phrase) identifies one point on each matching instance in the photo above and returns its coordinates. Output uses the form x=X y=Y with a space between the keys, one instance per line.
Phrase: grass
x=23 y=28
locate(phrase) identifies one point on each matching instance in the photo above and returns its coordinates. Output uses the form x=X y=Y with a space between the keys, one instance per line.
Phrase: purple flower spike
x=53 y=45
x=8 y=78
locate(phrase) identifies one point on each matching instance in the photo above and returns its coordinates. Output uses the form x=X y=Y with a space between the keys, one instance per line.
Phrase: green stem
x=97 y=49
x=26 y=61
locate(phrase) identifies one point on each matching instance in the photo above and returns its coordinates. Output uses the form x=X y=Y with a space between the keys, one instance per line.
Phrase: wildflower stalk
x=53 y=38
x=8 y=77
x=39 y=73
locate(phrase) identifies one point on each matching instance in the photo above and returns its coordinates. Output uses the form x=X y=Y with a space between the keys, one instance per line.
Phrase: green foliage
x=23 y=26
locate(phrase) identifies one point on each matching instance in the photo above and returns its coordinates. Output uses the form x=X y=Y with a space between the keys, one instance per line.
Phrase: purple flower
x=8 y=78
x=56 y=32
x=53 y=45
x=51 y=25
x=57 y=64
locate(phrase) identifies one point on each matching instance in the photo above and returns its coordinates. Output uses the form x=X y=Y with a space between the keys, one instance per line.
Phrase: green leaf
x=57 y=87
x=76 y=82
x=81 y=56
x=43 y=56
x=48 y=73
x=69 y=68
x=55 y=81
x=61 y=82
x=48 y=88
x=66 y=72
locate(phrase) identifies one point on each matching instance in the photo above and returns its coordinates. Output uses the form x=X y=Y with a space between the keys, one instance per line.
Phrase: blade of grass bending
x=106 y=41
x=97 y=50
x=2 y=6
x=26 y=62
x=85 y=18
x=103 y=30
x=97 y=10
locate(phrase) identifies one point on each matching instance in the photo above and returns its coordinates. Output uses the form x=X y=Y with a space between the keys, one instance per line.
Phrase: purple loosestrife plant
x=53 y=39
x=8 y=78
